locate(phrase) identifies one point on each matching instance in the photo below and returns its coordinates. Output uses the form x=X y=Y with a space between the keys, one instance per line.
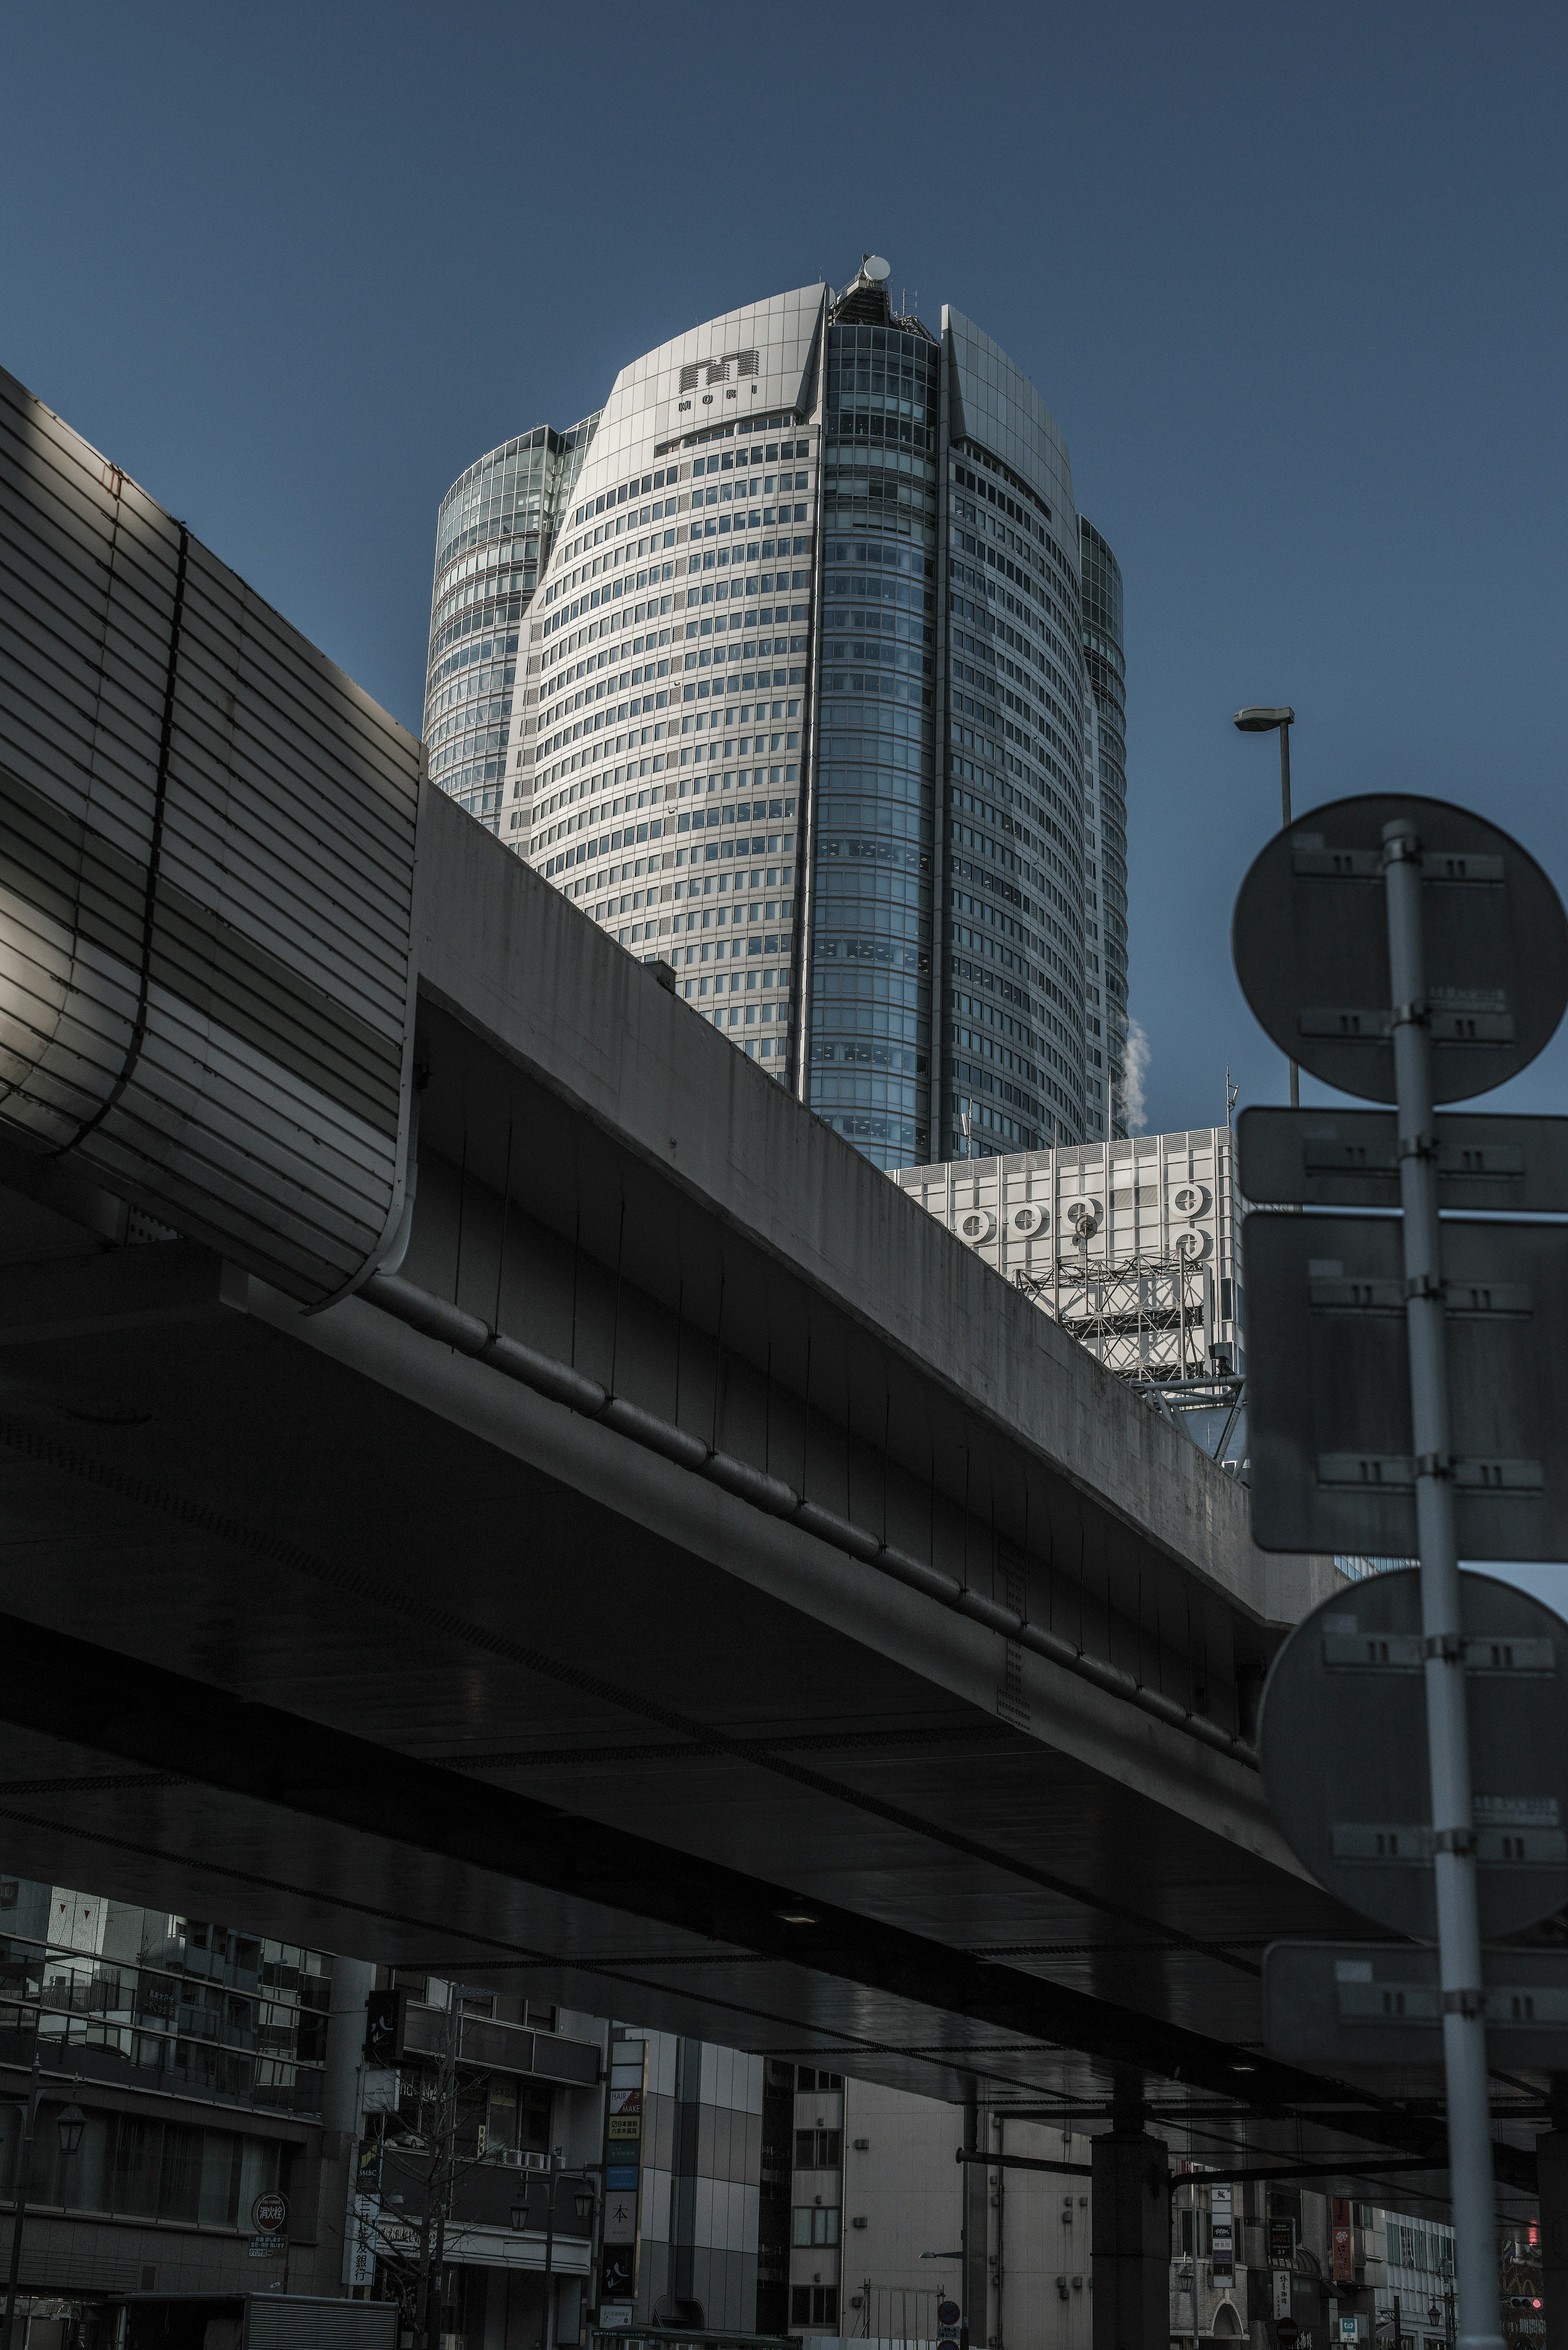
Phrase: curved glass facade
x=869 y=937
x=1015 y=950
x=1106 y=823
x=494 y=533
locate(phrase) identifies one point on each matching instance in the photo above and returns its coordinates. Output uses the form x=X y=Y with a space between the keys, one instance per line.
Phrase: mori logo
x=717 y=370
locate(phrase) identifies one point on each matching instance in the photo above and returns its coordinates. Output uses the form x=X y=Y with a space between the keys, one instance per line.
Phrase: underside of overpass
x=489 y=1482
x=314 y=1619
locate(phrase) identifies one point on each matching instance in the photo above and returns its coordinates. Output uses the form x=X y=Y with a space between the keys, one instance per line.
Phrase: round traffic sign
x=1310 y=940
x=1342 y=1740
x=269 y=2214
x=947 y=2313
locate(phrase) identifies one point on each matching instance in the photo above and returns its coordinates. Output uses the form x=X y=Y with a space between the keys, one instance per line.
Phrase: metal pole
x=435 y=2288
x=1285 y=807
x=547 y=2322
x=971 y=2133
x=1448 y=1728
x=19 y=2201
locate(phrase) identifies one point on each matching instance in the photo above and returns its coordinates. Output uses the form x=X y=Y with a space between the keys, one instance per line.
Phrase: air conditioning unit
x=532 y=2160
x=509 y=2157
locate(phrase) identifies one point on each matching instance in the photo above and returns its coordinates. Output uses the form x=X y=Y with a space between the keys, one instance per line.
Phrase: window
x=806 y=2076
x=144 y=2168
x=814 y=2149
x=816 y=2223
x=814 y=2304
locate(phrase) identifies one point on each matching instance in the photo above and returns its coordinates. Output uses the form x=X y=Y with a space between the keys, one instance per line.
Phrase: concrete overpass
x=489 y=1481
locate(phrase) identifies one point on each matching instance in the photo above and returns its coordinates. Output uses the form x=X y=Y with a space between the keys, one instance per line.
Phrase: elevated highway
x=622 y=1546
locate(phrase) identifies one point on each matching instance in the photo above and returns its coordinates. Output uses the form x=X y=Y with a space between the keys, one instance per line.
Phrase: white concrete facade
x=1051 y=1221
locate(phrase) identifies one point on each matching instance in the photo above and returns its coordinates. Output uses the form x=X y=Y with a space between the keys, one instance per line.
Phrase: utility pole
x=448 y=2166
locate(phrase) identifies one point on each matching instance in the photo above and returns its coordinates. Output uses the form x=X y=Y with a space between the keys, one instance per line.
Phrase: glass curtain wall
x=165 y=2002
x=494 y=535
x=869 y=967
x=1104 y=823
x=1016 y=946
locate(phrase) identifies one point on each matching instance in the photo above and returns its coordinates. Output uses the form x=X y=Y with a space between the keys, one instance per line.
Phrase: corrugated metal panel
x=206 y=879
x=290 y=2322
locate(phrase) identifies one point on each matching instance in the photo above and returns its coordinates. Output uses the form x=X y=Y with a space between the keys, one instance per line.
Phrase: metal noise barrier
x=206 y=882
x=467 y=1335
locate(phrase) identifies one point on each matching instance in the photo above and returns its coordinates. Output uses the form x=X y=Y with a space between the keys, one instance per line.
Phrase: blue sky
x=1291 y=280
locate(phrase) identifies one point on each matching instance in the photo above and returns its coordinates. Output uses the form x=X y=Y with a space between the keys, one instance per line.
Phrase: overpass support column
x=1552 y=2178
x=353 y=1981
x=1130 y=2240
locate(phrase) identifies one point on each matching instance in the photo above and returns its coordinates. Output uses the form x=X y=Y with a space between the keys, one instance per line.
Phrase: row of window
x=1051 y=624
x=140 y=2167
x=738 y=428
x=727 y=459
x=779 y=910
x=761 y=617
x=763 y=453
x=762 y=583
x=761 y=517
x=634 y=551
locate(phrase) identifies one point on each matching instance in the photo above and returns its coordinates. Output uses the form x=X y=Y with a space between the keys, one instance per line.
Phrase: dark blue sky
x=1291 y=280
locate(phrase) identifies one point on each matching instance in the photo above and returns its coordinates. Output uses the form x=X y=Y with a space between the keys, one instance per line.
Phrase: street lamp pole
x=1262 y=721
x=547 y=2324
x=71 y=2124
x=585 y=2199
x=19 y=2201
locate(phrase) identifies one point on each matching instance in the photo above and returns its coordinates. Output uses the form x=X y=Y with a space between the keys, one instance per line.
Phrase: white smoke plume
x=1135 y=1069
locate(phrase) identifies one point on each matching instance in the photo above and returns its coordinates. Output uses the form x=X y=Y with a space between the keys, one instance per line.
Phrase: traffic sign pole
x=1447 y=1728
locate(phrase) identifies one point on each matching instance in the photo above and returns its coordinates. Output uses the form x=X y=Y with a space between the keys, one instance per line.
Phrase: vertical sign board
x=1221 y=2240
x=359 y=2240
x=1343 y=2245
x=623 y=2169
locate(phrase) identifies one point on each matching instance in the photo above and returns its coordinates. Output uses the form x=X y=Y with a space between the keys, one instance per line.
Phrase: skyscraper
x=494 y=535
x=805 y=713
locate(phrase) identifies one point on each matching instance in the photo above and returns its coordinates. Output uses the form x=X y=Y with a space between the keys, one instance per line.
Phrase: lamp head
x=71 y=2124
x=1260 y=720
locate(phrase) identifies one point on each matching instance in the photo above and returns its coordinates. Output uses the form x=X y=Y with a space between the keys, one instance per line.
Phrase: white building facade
x=802 y=710
x=1133 y=1246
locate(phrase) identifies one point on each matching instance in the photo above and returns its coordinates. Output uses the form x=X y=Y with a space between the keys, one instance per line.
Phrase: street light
x=1260 y=721
x=583 y=2202
x=71 y=2123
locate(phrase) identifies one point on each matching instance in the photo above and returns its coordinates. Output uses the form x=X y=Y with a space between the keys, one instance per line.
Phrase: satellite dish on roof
x=876 y=268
